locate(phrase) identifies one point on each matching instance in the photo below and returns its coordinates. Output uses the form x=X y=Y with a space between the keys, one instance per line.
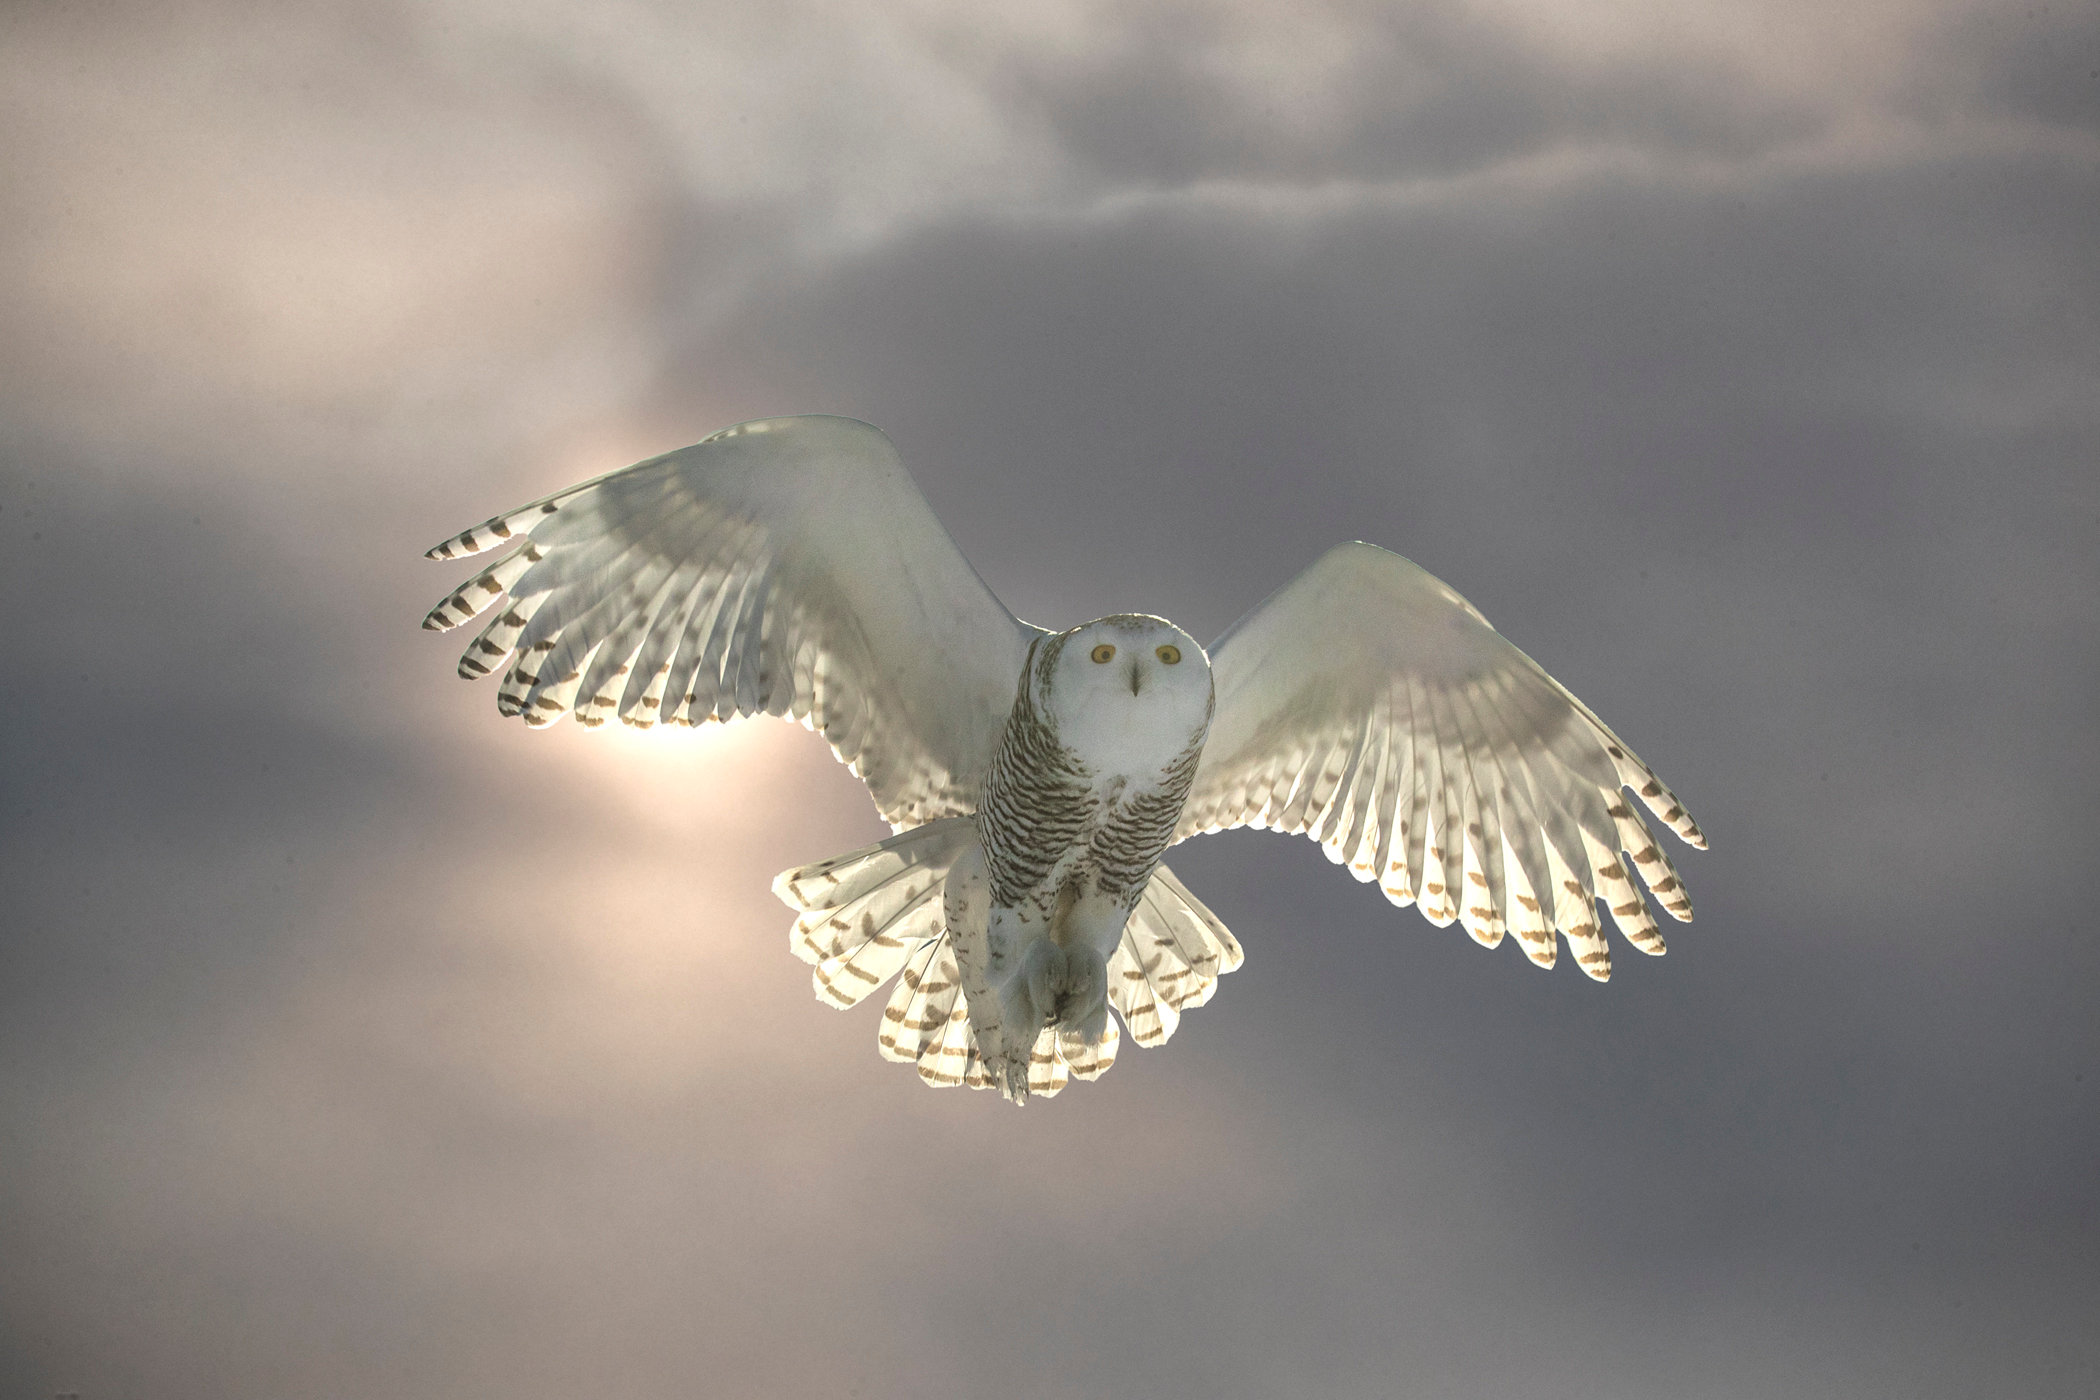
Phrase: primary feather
x=789 y=567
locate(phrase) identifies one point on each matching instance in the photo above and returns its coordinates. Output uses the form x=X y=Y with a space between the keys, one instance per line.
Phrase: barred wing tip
x=787 y=567
x=1367 y=705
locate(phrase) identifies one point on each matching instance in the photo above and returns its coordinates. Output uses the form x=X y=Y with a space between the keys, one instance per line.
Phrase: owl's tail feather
x=864 y=914
x=1173 y=952
x=876 y=913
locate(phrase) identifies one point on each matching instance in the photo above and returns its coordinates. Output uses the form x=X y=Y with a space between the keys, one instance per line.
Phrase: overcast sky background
x=1739 y=361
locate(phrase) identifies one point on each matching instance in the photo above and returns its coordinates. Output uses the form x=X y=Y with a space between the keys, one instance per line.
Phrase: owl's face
x=1129 y=693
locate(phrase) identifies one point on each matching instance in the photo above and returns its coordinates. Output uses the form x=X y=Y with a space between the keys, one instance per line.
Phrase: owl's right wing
x=786 y=566
x=1370 y=707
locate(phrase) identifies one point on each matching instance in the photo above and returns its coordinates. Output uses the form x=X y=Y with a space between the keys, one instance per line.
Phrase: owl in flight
x=1034 y=779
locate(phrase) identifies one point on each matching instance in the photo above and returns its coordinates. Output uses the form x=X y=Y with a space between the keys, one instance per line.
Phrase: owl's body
x=1084 y=791
x=1036 y=779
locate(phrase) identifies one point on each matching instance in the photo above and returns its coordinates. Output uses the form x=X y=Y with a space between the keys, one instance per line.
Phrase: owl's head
x=1128 y=692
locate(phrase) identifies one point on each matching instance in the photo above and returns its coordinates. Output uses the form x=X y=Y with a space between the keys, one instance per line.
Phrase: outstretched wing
x=786 y=567
x=1369 y=706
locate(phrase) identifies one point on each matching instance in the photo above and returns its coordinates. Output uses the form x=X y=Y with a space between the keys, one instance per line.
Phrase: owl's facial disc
x=1129 y=691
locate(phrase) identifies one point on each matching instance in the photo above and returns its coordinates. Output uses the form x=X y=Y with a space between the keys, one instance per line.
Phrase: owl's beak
x=1134 y=665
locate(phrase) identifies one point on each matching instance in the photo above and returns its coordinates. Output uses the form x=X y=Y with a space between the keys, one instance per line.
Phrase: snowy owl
x=1034 y=779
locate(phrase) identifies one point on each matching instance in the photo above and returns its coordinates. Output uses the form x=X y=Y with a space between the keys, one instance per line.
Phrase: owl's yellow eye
x=1103 y=654
x=1170 y=654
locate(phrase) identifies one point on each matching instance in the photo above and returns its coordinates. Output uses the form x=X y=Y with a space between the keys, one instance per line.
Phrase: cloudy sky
x=1739 y=361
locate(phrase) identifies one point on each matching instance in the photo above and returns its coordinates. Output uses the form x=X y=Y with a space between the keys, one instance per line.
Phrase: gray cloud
x=1739 y=368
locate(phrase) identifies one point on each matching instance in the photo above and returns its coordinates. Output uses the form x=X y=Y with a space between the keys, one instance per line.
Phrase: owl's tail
x=877 y=913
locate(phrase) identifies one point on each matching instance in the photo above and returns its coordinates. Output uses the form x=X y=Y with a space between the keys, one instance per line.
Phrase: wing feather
x=785 y=567
x=1368 y=705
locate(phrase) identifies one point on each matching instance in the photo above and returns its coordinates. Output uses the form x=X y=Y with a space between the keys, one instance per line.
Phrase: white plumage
x=789 y=567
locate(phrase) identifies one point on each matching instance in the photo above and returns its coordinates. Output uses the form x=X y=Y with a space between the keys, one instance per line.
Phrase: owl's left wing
x=1369 y=706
